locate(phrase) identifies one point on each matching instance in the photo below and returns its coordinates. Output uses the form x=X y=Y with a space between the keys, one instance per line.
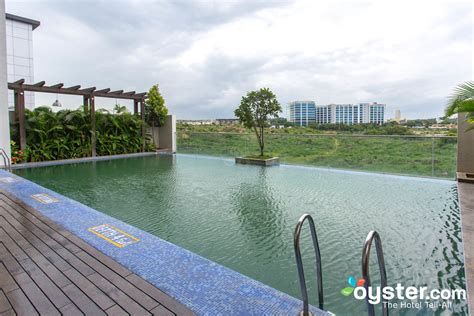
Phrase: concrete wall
x=167 y=134
x=465 y=146
x=4 y=119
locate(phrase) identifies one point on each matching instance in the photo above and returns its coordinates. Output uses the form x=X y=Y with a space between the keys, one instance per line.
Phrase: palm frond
x=462 y=99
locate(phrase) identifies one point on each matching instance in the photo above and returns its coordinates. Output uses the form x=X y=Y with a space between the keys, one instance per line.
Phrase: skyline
x=206 y=55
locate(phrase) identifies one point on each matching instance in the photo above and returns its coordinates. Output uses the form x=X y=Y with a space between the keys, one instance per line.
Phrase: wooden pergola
x=89 y=94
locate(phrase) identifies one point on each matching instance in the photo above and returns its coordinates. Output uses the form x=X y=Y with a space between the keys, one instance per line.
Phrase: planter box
x=465 y=177
x=274 y=161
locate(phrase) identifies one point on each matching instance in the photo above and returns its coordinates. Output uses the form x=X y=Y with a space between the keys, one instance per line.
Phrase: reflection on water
x=244 y=216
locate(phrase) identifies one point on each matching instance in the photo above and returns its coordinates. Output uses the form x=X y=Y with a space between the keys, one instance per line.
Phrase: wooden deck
x=49 y=271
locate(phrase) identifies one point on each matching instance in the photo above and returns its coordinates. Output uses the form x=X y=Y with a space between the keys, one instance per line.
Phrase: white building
x=4 y=121
x=303 y=113
x=19 y=35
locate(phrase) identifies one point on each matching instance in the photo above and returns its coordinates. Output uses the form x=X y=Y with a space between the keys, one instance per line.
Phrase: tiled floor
x=47 y=270
x=466 y=199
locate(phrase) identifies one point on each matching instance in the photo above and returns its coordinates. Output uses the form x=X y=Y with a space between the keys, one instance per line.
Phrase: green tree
x=462 y=101
x=255 y=110
x=155 y=109
x=118 y=109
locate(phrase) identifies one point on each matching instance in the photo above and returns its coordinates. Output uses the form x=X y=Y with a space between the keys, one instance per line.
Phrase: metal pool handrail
x=365 y=269
x=299 y=263
x=6 y=160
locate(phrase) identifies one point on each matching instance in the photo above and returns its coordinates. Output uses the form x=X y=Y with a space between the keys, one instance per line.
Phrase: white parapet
x=167 y=134
x=4 y=119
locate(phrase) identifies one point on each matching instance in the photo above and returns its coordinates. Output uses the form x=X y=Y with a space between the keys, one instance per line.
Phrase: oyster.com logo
x=353 y=284
x=405 y=297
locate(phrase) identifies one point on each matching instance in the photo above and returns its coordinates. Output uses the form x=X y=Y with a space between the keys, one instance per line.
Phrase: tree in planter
x=462 y=101
x=255 y=110
x=155 y=109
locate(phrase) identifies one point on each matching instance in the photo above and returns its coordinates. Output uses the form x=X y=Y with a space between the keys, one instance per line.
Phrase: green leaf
x=347 y=291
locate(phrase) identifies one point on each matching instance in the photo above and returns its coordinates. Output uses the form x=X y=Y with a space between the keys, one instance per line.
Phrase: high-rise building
x=19 y=31
x=302 y=113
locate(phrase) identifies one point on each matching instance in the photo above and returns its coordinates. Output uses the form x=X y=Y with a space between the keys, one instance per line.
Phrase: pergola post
x=135 y=106
x=142 y=115
x=93 y=131
x=86 y=103
x=20 y=115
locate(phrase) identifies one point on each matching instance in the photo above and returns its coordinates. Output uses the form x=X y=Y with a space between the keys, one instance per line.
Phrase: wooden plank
x=39 y=300
x=93 y=292
x=159 y=295
x=7 y=283
x=35 y=260
x=71 y=310
x=71 y=242
x=29 y=212
x=4 y=303
x=116 y=293
x=75 y=262
x=116 y=311
x=86 y=281
x=85 y=304
x=55 y=295
x=21 y=304
x=162 y=311
x=10 y=263
x=56 y=240
x=139 y=296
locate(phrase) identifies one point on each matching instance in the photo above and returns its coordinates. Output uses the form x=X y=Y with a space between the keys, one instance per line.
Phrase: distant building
x=196 y=122
x=398 y=115
x=230 y=121
x=19 y=32
x=303 y=113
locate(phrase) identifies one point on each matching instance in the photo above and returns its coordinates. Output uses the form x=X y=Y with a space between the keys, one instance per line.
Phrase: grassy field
x=411 y=155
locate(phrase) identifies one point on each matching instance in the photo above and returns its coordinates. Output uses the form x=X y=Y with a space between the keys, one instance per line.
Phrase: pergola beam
x=39 y=84
x=75 y=90
x=73 y=87
x=88 y=90
x=57 y=86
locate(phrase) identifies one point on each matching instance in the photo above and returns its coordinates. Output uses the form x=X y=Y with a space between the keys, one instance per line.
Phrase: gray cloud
x=205 y=54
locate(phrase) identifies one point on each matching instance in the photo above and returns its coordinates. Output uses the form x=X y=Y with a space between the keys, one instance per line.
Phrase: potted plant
x=255 y=110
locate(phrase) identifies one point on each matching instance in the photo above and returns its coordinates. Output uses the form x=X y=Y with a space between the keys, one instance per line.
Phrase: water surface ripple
x=243 y=217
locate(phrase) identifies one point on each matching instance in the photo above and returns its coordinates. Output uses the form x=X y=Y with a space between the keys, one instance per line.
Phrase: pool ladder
x=373 y=235
x=6 y=160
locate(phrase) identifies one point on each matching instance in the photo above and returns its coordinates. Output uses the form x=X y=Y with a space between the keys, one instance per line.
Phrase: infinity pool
x=243 y=217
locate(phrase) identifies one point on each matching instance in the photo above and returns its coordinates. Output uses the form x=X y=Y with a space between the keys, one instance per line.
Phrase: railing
x=6 y=160
x=299 y=263
x=373 y=235
x=431 y=156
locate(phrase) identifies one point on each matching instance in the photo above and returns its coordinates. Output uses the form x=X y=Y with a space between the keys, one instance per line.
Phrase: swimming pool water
x=243 y=217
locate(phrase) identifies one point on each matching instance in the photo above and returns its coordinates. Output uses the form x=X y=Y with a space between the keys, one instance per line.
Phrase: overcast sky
x=206 y=54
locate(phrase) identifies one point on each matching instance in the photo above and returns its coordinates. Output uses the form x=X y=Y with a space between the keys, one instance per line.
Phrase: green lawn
x=401 y=155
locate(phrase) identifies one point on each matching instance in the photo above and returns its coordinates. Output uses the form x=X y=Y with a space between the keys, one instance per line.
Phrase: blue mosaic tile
x=202 y=285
